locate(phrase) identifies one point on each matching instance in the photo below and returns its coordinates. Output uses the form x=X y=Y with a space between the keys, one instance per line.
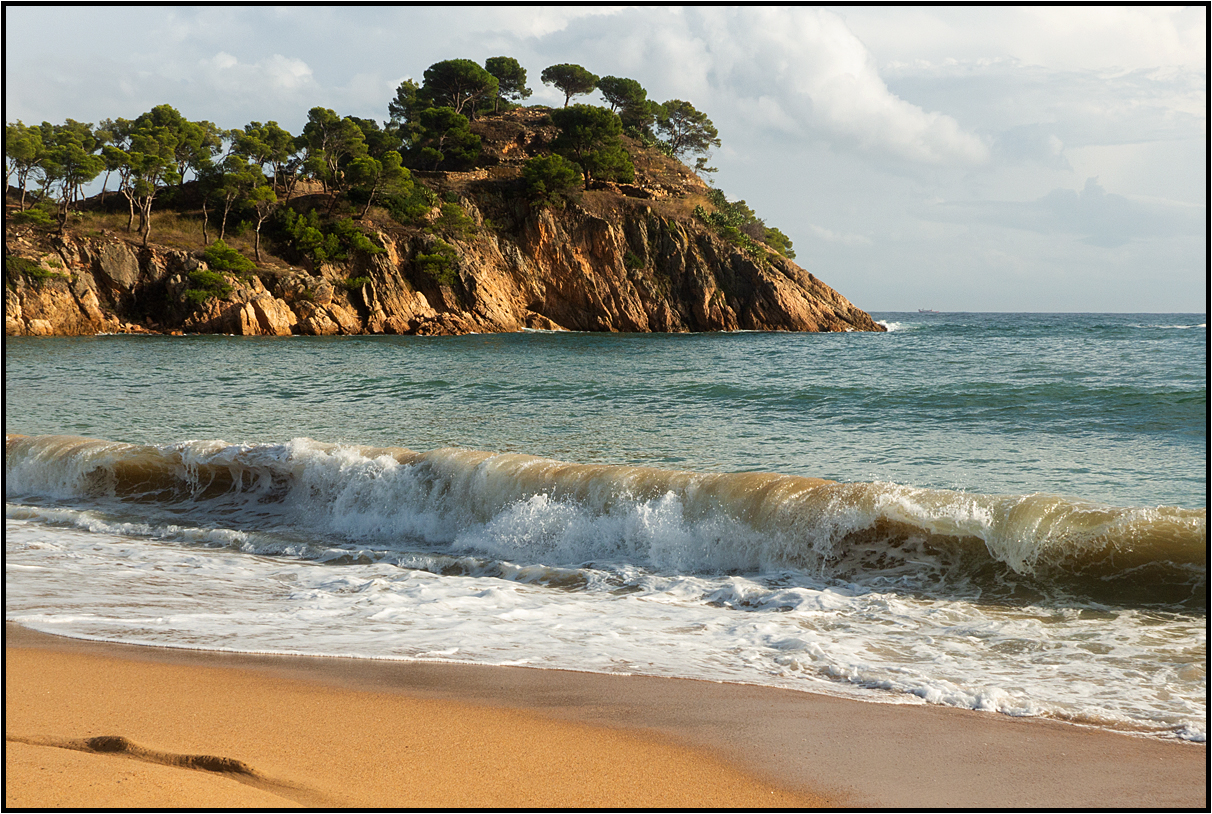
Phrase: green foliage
x=726 y=227
x=410 y=207
x=203 y=285
x=356 y=283
x=442 y=135
x=36 y=215
x=221 y=257
x=303 y=234
x=778 y=241
x=590 y=136
x=330 y=141
x=632 y=261
x=265 y=144
x=550 y=177
x=375 y=176
x=22 y=152
x=454 y=220
x=307 y=234
x=439 y=263
x=511 y=80
x=739 y=225
x=351 y=238
x=573 y=80
x=18 y=267
x=407 y=103
x=687 y=131
x=454 y=83
x=379 y=142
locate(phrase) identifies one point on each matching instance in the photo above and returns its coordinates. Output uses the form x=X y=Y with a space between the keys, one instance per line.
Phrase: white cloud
x=799 y=71
x=1061 y=38
x=843 y=238
x=274 y=74
x=1100 y=218
x=828 y=83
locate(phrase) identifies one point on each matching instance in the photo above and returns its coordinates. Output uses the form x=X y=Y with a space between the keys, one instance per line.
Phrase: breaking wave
x=526 y=510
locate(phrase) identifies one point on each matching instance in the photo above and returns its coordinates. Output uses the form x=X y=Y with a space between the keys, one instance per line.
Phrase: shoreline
x=493 y=736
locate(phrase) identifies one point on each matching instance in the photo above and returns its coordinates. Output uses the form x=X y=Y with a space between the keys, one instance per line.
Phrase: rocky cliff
x=620 y=257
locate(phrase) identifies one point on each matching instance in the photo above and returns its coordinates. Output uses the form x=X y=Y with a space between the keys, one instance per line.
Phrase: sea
x=993 y=511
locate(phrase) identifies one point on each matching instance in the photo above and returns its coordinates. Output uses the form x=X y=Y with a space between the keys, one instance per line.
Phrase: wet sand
x=101 y=725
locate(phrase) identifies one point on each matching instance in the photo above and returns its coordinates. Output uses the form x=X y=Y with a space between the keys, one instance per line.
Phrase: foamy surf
x=529 y=509
x=1024 y=605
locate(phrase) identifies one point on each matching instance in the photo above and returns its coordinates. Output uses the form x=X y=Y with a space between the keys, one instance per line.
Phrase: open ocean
x=1017 y=521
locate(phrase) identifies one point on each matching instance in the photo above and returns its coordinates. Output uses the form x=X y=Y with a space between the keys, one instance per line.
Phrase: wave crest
x=526 y=509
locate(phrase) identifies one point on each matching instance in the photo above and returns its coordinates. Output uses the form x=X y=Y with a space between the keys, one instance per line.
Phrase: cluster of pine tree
x=258 y=167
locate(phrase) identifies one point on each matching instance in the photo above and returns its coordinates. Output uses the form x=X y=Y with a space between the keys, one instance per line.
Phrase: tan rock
x=119 y=264
x=267 y=316
x=40 y=327
x=346 y=319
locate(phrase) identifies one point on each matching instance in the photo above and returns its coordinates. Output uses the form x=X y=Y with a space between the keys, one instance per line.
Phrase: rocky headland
x=615 y=257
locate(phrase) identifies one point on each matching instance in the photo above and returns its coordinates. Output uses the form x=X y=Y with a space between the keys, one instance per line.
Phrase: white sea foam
x=810 y=635
x=471 y=556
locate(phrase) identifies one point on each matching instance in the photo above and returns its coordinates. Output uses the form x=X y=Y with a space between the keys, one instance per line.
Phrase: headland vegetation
x=464 y=212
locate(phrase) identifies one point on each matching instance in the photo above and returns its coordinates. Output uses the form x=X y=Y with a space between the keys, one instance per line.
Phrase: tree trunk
x=145 y=218
x=223 y=222
x=369 y=201
x=205 y=222
x=257 y=244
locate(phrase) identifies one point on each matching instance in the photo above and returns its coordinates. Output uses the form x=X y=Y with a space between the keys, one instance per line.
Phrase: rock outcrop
x=620 y=257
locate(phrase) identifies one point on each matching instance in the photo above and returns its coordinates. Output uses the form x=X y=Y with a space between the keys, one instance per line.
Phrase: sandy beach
x=101 y=725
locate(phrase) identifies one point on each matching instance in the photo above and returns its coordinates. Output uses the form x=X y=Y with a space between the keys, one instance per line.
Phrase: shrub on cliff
x=17 y=267
x=307 y=234
x=38 y=215
x=454 y=220
x=590 y=136
x=203 y=285
x=221 y=257
x=550 y=177
x=736 y=222
x=409 y=208
x=439 y=263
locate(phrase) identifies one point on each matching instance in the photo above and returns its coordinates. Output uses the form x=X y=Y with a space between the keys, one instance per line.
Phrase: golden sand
x=88 y=731
x=101 y=725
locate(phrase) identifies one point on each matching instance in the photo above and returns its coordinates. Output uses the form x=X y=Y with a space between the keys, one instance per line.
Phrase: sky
x=990 y=158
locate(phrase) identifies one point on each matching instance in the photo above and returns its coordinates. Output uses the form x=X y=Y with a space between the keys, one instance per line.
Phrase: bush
x=35 y=215
x=454 y=220
x=550 y=177
x=307 y=235
x=778 y=241
x=352 y=238
x=736 y=222
x=439 y=264
x=18 y=267
x=203 y=285
x=221 y=257
x=411 y=207
x=632 y=261
x=355 y=283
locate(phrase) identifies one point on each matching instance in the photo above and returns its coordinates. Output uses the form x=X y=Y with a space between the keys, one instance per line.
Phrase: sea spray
x=534 y=510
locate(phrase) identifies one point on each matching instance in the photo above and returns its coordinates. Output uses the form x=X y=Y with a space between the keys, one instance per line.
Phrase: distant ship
x=926 y=311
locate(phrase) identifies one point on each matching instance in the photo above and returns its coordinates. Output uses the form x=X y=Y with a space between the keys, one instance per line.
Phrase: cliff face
x=621 y=257
x=562 y=270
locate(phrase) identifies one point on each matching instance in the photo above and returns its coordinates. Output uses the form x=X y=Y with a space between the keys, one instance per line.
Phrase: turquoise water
x=1019 y=523
x=1106 y=407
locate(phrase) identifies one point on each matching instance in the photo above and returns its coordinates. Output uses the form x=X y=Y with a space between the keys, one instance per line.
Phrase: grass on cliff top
x=177 y=230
